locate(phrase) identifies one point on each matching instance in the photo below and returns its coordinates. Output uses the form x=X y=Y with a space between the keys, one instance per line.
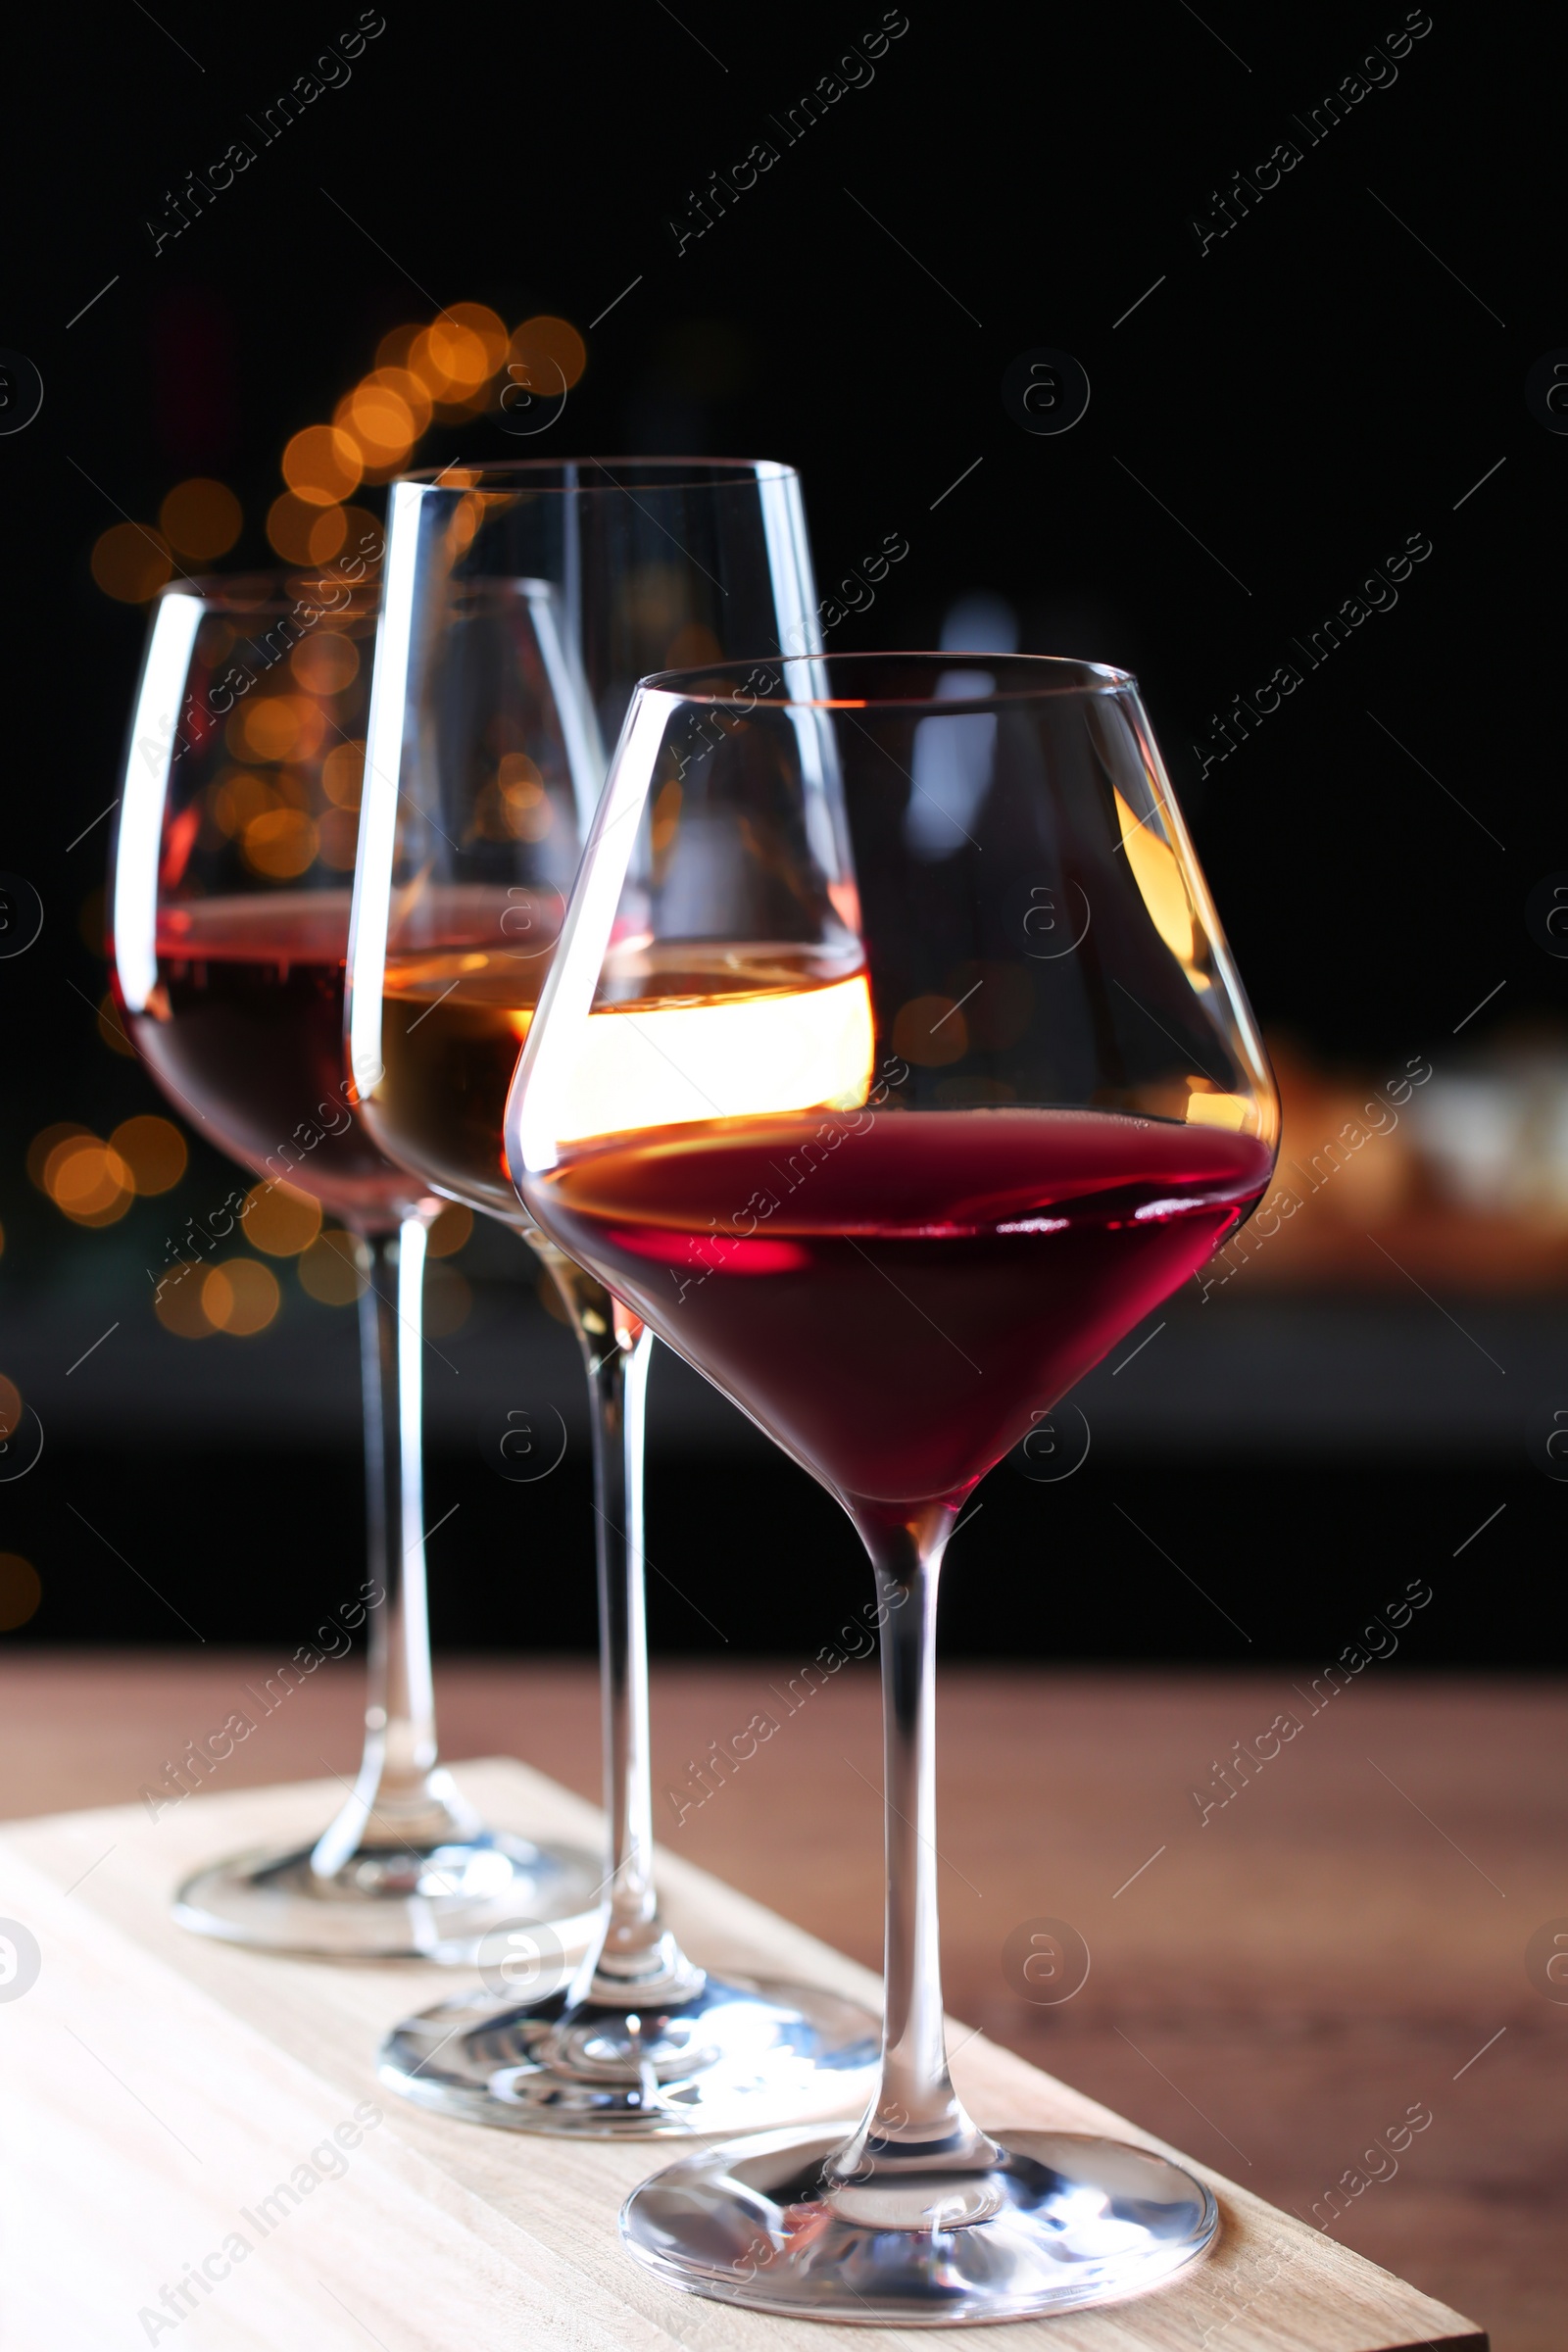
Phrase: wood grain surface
x=1273 y=1992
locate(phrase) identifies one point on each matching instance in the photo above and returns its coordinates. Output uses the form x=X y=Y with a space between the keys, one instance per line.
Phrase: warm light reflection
x=734 y=1057
x=1159 y=876
x=1221 y=1111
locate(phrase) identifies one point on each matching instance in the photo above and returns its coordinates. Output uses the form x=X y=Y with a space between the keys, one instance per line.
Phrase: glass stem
x=639 y=1960
x=403 y=1799
x=917 y=2119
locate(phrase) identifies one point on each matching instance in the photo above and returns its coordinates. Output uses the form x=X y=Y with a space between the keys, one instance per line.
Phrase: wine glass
x=523 y=604
x=893 y=1138
x=234 y=847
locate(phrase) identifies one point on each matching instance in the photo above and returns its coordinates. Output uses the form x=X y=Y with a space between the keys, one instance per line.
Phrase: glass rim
x=523 y=474
x=276 y=592
x=1088 y=678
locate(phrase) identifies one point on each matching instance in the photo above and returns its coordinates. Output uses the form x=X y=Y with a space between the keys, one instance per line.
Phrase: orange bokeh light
x=409 y=390
x=88 y=1182
x=154 y=1151
x=551 y=351
x=304 y=532
x=325 y=662
x=343 y=775
x=177 y=1303
x=321 y=464
x=280 y=844
x=200 y=518
x=281 y=726
x=20 y=1591
x=131 y=564
x=330 y=1271
x=380 y=421
x=241 y=1297
x=281 y=1220
x=44 y=1142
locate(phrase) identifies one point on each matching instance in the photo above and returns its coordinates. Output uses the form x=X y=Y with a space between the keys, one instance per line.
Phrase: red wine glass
x=891 y=1067
x=231 y=875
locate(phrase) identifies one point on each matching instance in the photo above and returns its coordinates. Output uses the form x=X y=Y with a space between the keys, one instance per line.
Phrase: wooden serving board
x=159 y=2087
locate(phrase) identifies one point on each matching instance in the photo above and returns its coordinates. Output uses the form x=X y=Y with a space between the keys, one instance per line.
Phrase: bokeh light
x=20 y=1591
x=458 y=352
x=291 y=523
x=131 y=564
x=325 y=662
x=280 y=843
x=450 y=1231
x=87 y=1181
x=392 y=351
x=177 y=1303
x=379 y=421
x=343 y=775
x=154 y=1151
x=277 y=726
x=201 y=519
x=241 y=1297
x=44 y=1142
x=321 y=464
x=238 y=795
x=930 y=1031
x=281 y=1220
x=327 y=533
x=330 y=1271
x=408 y=387
x=362 y=534
x=551 y=352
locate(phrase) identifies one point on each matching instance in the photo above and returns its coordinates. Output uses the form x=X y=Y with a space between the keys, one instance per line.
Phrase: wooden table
x=1270 y=1989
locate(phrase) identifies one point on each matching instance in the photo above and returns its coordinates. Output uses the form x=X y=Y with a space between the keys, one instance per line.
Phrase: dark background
x=1304 y=396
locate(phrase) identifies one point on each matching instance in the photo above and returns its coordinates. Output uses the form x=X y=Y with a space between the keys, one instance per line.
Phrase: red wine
x=244 y=1032
x=894 y=1295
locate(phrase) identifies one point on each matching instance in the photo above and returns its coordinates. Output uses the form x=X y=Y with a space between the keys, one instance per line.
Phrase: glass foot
x=396 y=1902
x=732 y=2052
x=1061 y=2221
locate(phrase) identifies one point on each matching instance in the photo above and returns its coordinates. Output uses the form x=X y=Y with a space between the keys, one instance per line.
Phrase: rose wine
x=894 y=1295
x=244 y=1032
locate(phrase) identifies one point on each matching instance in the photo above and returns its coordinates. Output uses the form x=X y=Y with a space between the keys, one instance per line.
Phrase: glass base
x=1062 y=2221
x=734 y=2052
x=404 y=1902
